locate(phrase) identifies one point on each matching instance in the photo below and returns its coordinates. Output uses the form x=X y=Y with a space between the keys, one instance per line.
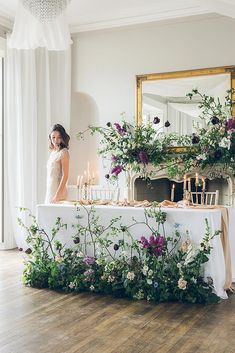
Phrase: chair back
x=103 y=193
x=205 y=198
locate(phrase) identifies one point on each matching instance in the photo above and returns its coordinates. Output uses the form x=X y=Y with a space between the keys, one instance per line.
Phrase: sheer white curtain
x=38 y=95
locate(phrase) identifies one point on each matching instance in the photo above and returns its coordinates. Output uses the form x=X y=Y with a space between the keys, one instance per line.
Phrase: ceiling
x=86 y=15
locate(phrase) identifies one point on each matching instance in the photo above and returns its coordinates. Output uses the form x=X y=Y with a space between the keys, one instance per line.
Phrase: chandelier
x=45 y=10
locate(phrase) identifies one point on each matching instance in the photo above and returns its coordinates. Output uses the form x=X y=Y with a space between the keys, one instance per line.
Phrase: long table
x=188 y=220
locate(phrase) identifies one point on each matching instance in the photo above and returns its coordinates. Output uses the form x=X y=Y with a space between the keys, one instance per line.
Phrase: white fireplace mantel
x=159 y=173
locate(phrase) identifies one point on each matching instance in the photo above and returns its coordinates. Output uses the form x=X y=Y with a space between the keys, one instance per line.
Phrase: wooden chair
x=205 y=198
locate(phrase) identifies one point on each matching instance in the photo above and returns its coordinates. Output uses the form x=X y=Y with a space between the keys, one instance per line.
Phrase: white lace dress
x=54 y=174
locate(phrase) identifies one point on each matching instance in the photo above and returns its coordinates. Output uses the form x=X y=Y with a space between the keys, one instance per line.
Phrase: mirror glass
x=166 y=97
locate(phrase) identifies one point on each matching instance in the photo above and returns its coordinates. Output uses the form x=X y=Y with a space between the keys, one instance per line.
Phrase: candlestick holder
x=203 y=197
x=78 y=192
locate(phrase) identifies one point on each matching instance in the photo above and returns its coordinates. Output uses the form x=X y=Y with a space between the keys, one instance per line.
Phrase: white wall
x=105 y=63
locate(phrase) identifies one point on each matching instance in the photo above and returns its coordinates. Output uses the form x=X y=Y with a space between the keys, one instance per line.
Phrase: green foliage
x=109 y=260
x=130 y=147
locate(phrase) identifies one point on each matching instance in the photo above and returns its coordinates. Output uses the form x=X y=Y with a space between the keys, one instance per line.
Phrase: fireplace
x=158 y=190
x=160 y=187
x=166 y=189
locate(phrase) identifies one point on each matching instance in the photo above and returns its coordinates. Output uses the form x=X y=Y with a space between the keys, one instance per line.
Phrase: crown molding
x=222 y=7
x=133 y=20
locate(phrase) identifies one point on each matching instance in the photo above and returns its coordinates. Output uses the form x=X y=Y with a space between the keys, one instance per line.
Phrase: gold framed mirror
x=162 y=93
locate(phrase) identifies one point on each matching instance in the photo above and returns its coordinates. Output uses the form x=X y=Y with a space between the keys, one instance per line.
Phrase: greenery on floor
x=107 y=259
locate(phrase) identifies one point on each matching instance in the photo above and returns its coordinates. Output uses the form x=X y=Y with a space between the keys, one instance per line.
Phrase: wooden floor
x=33 y=321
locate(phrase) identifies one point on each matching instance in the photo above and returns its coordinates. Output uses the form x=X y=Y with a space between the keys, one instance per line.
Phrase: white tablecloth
x=189 y=220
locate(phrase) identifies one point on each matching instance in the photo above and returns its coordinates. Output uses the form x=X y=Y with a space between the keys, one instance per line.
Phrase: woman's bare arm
x=65 y=174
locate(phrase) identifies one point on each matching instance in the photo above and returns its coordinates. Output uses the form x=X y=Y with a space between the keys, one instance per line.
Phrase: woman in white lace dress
x=57 y=165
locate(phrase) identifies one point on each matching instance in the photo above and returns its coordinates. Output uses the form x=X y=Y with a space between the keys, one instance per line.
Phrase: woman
x=57 y=165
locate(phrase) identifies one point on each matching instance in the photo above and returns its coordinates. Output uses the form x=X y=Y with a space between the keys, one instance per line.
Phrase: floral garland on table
x=132 y=147
x=109 y=260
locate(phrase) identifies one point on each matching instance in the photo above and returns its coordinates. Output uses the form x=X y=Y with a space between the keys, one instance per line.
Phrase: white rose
x=130 y=276
x=225 y=143
x=182 y=284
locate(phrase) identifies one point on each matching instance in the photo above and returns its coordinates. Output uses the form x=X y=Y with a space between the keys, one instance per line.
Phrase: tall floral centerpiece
x=131 y=147
x=215 y=139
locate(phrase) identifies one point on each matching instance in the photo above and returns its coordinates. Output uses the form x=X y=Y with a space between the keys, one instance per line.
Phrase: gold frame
x=179 y=74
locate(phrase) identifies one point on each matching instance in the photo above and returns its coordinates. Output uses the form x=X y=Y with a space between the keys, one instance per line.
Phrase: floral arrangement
x=109 y=260
x=215 y=140
x=132 y=147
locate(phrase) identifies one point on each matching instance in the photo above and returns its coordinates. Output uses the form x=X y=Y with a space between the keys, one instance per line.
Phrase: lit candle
x=88 y=172
x=78 y=180
x=189 y=184
x=185 y=181
x=93 y=178
x=173 y=192
x=197 y=179
x=203 y=184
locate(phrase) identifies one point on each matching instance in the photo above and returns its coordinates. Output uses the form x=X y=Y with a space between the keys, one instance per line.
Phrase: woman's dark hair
x=64 y=136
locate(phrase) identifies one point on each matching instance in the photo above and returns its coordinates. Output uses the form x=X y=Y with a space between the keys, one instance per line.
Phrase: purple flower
x=144 y=242
x=215 y=120
x=88 y=274
x=195 y=139
x=156 y=120
x=143 y=157
x=114 y=158
x=116 y=247
x=120 y=130
x=230 y=123
x=89 y=260
x=217 y=154
x=116 y=170
x=155 y=244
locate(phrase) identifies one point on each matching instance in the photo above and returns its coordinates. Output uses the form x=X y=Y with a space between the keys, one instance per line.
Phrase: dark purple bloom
x=116 y=247
x=155 y=244
x=109 y=124
x=121 y=130
x=214 y=120
x=116 y=170
x=156 y=120
x=195 y=139
x=230 y=123
x=167 y=123
x=76 y=240
x=107 y=176
x=89 y=260
x=28 y=251
x=143 y=157
x=217 y=154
